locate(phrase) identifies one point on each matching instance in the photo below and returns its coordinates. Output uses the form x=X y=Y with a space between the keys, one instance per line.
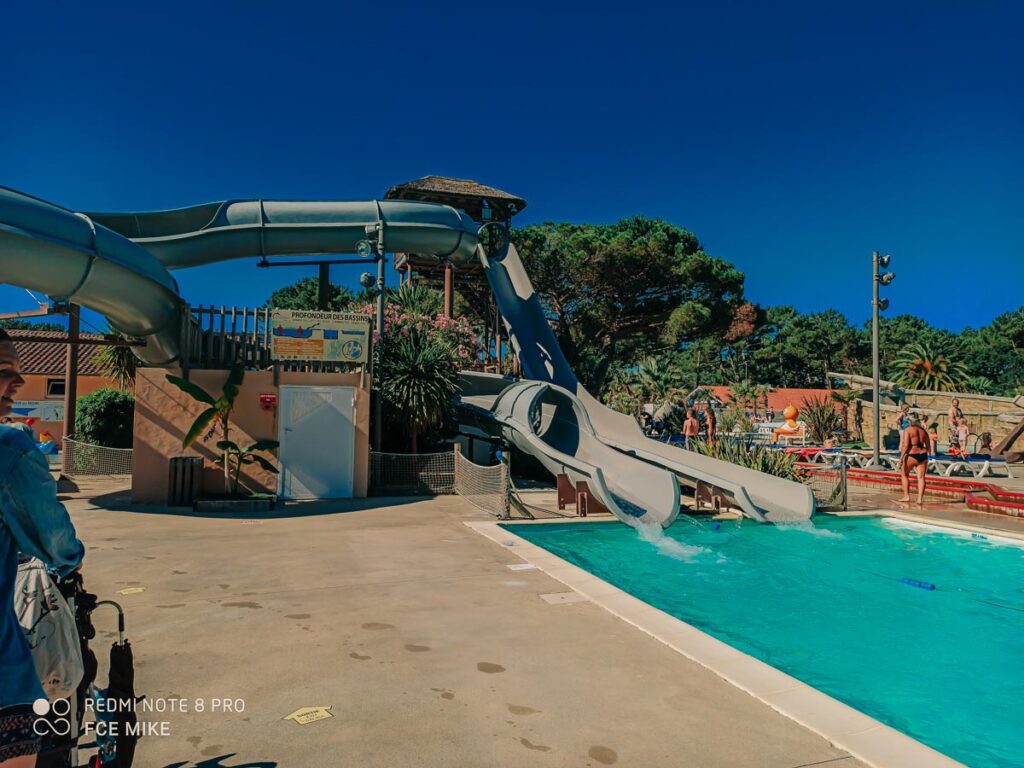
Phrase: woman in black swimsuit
x=914 y=455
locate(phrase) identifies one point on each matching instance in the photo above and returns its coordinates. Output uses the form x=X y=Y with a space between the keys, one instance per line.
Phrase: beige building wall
x=35 y=389
x=984 y=414
x=163 y=415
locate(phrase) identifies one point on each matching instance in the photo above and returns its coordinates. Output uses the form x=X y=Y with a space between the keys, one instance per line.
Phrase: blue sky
x=792 y=138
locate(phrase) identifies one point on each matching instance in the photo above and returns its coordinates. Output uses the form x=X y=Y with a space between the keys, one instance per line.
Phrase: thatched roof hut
x=472 y=197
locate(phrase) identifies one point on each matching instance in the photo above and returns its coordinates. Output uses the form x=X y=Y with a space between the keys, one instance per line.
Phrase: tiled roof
x=47 y=359
x=779 y=398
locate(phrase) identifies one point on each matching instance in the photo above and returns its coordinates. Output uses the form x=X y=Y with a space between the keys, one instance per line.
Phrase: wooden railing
x=217 y=337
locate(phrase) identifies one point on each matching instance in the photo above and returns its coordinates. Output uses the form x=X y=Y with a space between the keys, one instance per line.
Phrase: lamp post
x=374 y=245
x=878 y=278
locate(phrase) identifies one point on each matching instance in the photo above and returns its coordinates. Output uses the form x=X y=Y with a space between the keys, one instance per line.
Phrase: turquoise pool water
x=826 y=604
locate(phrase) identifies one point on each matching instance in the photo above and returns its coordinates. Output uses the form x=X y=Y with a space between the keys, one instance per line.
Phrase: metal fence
x=486 y=488
x=96 y=461
x=412 y=474
x=435 y=474
x=828 y=482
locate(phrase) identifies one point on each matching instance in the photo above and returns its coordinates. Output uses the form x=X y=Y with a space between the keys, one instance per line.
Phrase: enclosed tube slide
x=91 y=259
x=234 y=229
x=69 y=257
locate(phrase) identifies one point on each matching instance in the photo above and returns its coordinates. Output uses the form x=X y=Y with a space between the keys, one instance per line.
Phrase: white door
x=317 y=435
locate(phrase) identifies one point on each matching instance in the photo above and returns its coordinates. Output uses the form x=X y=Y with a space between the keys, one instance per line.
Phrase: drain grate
x=559 y=598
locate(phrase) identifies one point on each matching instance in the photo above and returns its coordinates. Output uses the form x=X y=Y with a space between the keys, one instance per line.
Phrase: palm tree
x=659 y=381
x=981 y=385
x=418 y=380
x=743 y=394
x=118 y=362
x=843 y=398
x=923 y=366
x=761 y=391
x=415 y=299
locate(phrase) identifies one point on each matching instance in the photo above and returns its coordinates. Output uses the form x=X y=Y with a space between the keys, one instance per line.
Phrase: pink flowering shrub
x=454 y=333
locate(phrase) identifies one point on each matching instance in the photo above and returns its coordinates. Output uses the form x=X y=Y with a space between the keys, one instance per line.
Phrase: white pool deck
x=848 y=729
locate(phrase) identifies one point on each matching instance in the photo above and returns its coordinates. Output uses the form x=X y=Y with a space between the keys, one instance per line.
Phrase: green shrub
x=821 y=418
x=737 y=451
x=105 y=417
x=734 y=416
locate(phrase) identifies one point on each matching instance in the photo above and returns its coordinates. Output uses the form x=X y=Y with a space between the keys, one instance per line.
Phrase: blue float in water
x=916 y=583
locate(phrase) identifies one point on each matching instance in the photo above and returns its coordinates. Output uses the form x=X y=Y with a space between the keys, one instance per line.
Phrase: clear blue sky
x=792 y=138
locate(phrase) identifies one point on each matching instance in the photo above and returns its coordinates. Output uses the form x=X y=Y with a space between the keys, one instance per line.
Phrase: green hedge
x=105 y=417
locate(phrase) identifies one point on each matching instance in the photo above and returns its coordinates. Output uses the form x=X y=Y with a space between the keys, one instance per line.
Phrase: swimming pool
x=844 y=606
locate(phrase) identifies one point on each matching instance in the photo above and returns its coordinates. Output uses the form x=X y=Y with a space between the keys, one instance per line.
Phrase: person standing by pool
x=963 y=432
x=903 y=418
x=913 y=455
x=691 y=427
x=953 y=417
x=33 y=522
x=710 y=422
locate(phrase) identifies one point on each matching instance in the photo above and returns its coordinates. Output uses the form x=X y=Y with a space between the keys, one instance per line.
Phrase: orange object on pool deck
x=791 y=428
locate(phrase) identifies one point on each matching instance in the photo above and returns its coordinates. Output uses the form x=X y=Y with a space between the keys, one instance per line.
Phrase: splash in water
x=806 y=526
x=652 y=533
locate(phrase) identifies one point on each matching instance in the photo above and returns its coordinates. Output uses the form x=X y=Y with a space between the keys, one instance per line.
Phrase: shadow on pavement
x=118 y=502
x=216 y=762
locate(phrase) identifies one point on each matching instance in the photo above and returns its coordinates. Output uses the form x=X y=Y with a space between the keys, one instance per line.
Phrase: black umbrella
x=121 y=690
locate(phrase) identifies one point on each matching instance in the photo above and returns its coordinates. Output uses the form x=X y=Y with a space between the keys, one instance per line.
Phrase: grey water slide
x=118 y=265
x=552 y=424
x=760 y=496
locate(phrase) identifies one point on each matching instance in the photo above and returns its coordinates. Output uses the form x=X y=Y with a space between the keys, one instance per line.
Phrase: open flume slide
x=117 y=263
x=551 y=424
x=760 y=496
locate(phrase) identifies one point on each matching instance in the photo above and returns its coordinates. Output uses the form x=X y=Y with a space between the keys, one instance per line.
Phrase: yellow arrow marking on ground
x=131 y=590
x=307 y=715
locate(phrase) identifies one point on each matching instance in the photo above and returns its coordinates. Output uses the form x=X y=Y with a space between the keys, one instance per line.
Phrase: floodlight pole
x=876 y=460
x=378 y=411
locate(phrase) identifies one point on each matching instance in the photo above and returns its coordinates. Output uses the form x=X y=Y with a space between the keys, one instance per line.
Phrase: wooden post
x=71 y=371
x=208 y=362
x=234 y=336
x=323 y=288
x=186 y=340
x=222 y=352
x=449 y=290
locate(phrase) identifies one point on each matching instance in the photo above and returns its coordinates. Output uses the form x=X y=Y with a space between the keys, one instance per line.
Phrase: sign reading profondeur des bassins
x=339 y=337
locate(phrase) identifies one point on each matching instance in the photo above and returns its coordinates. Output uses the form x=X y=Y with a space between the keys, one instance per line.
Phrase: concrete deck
x=427 y=648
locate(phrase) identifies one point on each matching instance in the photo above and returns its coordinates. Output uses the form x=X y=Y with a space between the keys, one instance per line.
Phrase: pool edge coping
x=846 y=728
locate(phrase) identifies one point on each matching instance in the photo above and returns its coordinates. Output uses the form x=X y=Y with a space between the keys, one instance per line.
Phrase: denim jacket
x=33 y=522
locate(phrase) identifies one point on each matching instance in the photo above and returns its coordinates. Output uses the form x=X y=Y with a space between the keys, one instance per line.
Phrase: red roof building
x=778 y=398
x=47 y=358
x=42 y=365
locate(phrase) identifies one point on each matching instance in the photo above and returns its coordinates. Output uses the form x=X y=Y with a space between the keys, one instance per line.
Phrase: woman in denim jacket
x=33 y=522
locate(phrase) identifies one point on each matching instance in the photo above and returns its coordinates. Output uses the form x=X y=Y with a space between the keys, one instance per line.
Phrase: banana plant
x=218 y=414
x=235 y=457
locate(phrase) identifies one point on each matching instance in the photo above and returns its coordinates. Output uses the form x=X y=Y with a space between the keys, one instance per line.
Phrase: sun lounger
x=982 y=466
